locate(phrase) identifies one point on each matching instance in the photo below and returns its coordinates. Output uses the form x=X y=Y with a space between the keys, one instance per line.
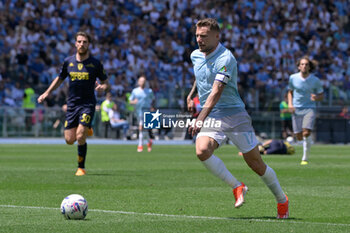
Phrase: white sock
x=218 y=168
x=306 y=147
x=140 y=138
x=271 y=181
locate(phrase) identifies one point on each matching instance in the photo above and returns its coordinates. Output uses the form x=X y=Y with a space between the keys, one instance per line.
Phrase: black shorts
x=81 y=114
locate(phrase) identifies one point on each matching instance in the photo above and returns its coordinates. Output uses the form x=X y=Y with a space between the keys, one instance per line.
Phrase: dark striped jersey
x=82 y=78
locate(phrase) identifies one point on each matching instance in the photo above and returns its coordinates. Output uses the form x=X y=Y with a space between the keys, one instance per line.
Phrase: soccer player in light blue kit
x=215 y=70
x=304 y=89
x=142 y=97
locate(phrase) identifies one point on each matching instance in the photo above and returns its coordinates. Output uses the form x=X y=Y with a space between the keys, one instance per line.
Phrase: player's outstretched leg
x=268 y=176
x=140 y=146
x=204 y=149
x=149 y=145
x=82 y=132
x=82 y=149
x=306 y=150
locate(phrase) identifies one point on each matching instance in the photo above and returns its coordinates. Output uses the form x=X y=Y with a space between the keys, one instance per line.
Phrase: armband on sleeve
x=222 y=78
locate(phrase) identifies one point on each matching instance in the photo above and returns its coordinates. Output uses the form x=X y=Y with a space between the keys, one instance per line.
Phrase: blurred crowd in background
x=156 y=37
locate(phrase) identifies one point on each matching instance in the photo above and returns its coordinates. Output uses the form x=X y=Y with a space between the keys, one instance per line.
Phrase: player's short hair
x=312 y=63
x=209 y=22
x=84 y=34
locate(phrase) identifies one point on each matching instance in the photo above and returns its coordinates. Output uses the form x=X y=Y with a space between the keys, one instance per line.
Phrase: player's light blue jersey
x=303 y=88
x=144 y=99
x=219 y=65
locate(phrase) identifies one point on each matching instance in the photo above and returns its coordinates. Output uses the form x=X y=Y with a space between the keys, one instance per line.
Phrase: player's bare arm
x=190 y=103
x=54 y=85
x=213 y=98
x=290 y=101
x=134 y=101
x=317 y=97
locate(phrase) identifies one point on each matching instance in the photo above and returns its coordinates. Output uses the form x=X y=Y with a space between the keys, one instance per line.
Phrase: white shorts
x=304 y=119
x=238 y=128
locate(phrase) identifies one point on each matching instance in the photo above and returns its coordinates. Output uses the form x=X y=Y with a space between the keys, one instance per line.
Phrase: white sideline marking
x=184 y=216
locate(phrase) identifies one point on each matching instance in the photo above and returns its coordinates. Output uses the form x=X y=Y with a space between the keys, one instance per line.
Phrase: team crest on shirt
x=71 y=64
x=80 y=66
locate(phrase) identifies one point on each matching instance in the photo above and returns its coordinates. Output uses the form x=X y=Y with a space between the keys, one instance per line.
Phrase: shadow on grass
x=114 y=174
x=102 y=174
x=263 y=218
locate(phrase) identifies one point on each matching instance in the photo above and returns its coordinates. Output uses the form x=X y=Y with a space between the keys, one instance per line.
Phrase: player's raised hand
x=195 y=128
x=313 y=97
x=101 y=87
x=291 y=109
x=42 y=97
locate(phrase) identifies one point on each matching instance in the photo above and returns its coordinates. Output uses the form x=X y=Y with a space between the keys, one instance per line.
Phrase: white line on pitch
x=184 y=216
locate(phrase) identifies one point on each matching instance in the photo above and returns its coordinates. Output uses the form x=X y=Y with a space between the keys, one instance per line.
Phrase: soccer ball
x=74 y=207
x=290 y=139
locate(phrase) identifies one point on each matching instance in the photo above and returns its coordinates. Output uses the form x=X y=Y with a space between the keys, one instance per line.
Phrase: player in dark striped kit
x=82 y=70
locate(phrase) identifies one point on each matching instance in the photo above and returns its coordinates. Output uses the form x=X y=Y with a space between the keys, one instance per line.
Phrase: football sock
x=271 y=181
x=82 y=155
x=218 y=168
x=140 y=138
x=306 y=147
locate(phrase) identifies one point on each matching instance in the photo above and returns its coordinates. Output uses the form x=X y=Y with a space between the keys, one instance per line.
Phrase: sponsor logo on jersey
x=71 y=64
x=79 y=76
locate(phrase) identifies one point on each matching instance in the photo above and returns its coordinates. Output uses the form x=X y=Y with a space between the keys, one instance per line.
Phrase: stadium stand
x=156 y=37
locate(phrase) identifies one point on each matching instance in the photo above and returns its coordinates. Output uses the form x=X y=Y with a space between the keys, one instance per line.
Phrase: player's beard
x=82 y=51
x=206 y=50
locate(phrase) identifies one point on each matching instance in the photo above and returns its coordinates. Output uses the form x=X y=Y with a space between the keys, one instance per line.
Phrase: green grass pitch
x=168 y=190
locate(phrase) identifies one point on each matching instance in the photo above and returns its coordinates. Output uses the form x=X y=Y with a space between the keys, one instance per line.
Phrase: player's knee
x=299 y=136
x=306 y=133
x=70 y=141
x=203 y=152
x=81 y=139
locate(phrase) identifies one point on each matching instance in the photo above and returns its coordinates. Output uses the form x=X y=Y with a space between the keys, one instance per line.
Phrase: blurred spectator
x=106 y=109
x=17 y=94
x=286 y=118
x=344 y=113
x=28 y=105
x=22 y=61
x=117 y=122
x=155 y=37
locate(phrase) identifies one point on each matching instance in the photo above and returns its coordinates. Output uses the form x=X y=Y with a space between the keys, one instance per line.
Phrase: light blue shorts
x=238 y=128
